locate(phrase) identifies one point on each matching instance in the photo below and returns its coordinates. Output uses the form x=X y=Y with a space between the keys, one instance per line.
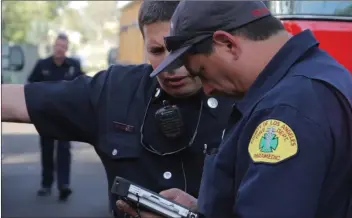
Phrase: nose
x=207 y=89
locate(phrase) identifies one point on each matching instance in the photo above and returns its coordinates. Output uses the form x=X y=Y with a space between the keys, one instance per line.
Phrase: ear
x=224 y=38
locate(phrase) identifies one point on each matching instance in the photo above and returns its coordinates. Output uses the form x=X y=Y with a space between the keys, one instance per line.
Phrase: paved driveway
x=21 y=178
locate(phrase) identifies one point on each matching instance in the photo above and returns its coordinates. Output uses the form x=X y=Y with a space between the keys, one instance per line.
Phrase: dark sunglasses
x=175 y=42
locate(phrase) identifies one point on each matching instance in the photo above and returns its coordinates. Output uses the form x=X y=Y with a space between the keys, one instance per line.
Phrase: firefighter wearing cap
x=287 y=151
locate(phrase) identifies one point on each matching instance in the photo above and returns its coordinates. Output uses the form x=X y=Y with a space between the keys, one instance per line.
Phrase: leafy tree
x=22 y=18
x=345 y=12
x=91 y=21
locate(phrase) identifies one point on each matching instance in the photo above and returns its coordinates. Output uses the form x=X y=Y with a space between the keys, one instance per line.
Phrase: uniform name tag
x=272 y=142
x=45 y=72
x=123 y=127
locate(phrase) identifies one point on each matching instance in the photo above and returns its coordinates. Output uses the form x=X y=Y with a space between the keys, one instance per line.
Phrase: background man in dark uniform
x=288 y=151
x=55 y=68
x=118 y=112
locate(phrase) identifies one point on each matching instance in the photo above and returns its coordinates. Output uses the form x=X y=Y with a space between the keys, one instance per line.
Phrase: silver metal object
x=167 y=175
x=213 y=103
x=157 y=93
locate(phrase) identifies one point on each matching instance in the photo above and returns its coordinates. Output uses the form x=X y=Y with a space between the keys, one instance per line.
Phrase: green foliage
x=345 y=12
x=19 y=17
x=29 y=21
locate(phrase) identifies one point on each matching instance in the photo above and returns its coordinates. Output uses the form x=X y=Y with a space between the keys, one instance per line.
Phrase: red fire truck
x=330 y=21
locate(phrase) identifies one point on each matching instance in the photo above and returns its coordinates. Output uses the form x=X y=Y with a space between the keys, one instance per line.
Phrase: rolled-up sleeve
x=66 y=110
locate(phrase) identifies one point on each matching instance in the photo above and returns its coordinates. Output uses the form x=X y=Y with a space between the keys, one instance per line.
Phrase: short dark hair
x=257 y=30
x=62 y=36
x=155 y=11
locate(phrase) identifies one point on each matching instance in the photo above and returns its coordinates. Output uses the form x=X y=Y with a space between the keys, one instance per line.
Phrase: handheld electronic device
x=149 y=200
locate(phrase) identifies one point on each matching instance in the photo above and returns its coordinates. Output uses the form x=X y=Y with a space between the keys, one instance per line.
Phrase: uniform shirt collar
x=210 y=104
x=277 y=68
x=65 y=63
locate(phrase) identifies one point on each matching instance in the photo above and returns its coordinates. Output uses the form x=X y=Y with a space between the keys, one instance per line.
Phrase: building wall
x=131 y=45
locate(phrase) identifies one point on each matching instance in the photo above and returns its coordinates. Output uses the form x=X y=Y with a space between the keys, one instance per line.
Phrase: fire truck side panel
x=335 y=37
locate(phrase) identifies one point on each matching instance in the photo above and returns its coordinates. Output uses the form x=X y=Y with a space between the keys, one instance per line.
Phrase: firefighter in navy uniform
x=119 y=112
x=55 y=68
x=287 y=151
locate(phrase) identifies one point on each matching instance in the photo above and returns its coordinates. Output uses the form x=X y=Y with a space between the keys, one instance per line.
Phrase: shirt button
x=212 y=103
x=157 y=93
x=114 y=152
x=167 y=175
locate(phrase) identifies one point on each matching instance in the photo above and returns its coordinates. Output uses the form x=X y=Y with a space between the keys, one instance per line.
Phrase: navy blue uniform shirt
x=47 y=70
x=108 y=110
x=288 y=152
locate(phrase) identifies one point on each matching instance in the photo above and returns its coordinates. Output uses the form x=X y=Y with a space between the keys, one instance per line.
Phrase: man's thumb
x=171 y=194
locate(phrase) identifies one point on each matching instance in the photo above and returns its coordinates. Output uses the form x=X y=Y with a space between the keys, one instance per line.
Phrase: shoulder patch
x=272 y=142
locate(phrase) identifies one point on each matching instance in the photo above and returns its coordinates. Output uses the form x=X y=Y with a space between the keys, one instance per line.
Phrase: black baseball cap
x=194 y=21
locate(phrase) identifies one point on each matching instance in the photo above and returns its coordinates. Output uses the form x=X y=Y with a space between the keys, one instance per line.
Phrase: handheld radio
x=170 y=121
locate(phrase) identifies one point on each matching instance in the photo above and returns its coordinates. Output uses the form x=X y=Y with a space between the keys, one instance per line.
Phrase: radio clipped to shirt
x=170 y=120
x=142 y=198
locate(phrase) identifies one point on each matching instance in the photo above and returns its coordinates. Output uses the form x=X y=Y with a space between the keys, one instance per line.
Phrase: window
x=16 y=58
x=312 y=8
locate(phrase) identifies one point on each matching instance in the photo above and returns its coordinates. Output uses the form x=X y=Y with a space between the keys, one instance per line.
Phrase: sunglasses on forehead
x=173 y=43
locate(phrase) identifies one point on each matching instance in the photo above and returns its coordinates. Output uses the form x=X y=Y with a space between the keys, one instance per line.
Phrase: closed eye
x=200 y=73
x=192 y=72
x=156 y=50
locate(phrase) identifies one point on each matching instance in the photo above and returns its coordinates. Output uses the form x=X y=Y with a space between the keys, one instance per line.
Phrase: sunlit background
x=102 y=33
x=105 y=32
x=92 y=27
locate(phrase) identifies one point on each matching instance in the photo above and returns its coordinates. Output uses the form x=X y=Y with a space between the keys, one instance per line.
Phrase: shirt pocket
x=195 y=160
x=211 y=148
x=119 y=145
